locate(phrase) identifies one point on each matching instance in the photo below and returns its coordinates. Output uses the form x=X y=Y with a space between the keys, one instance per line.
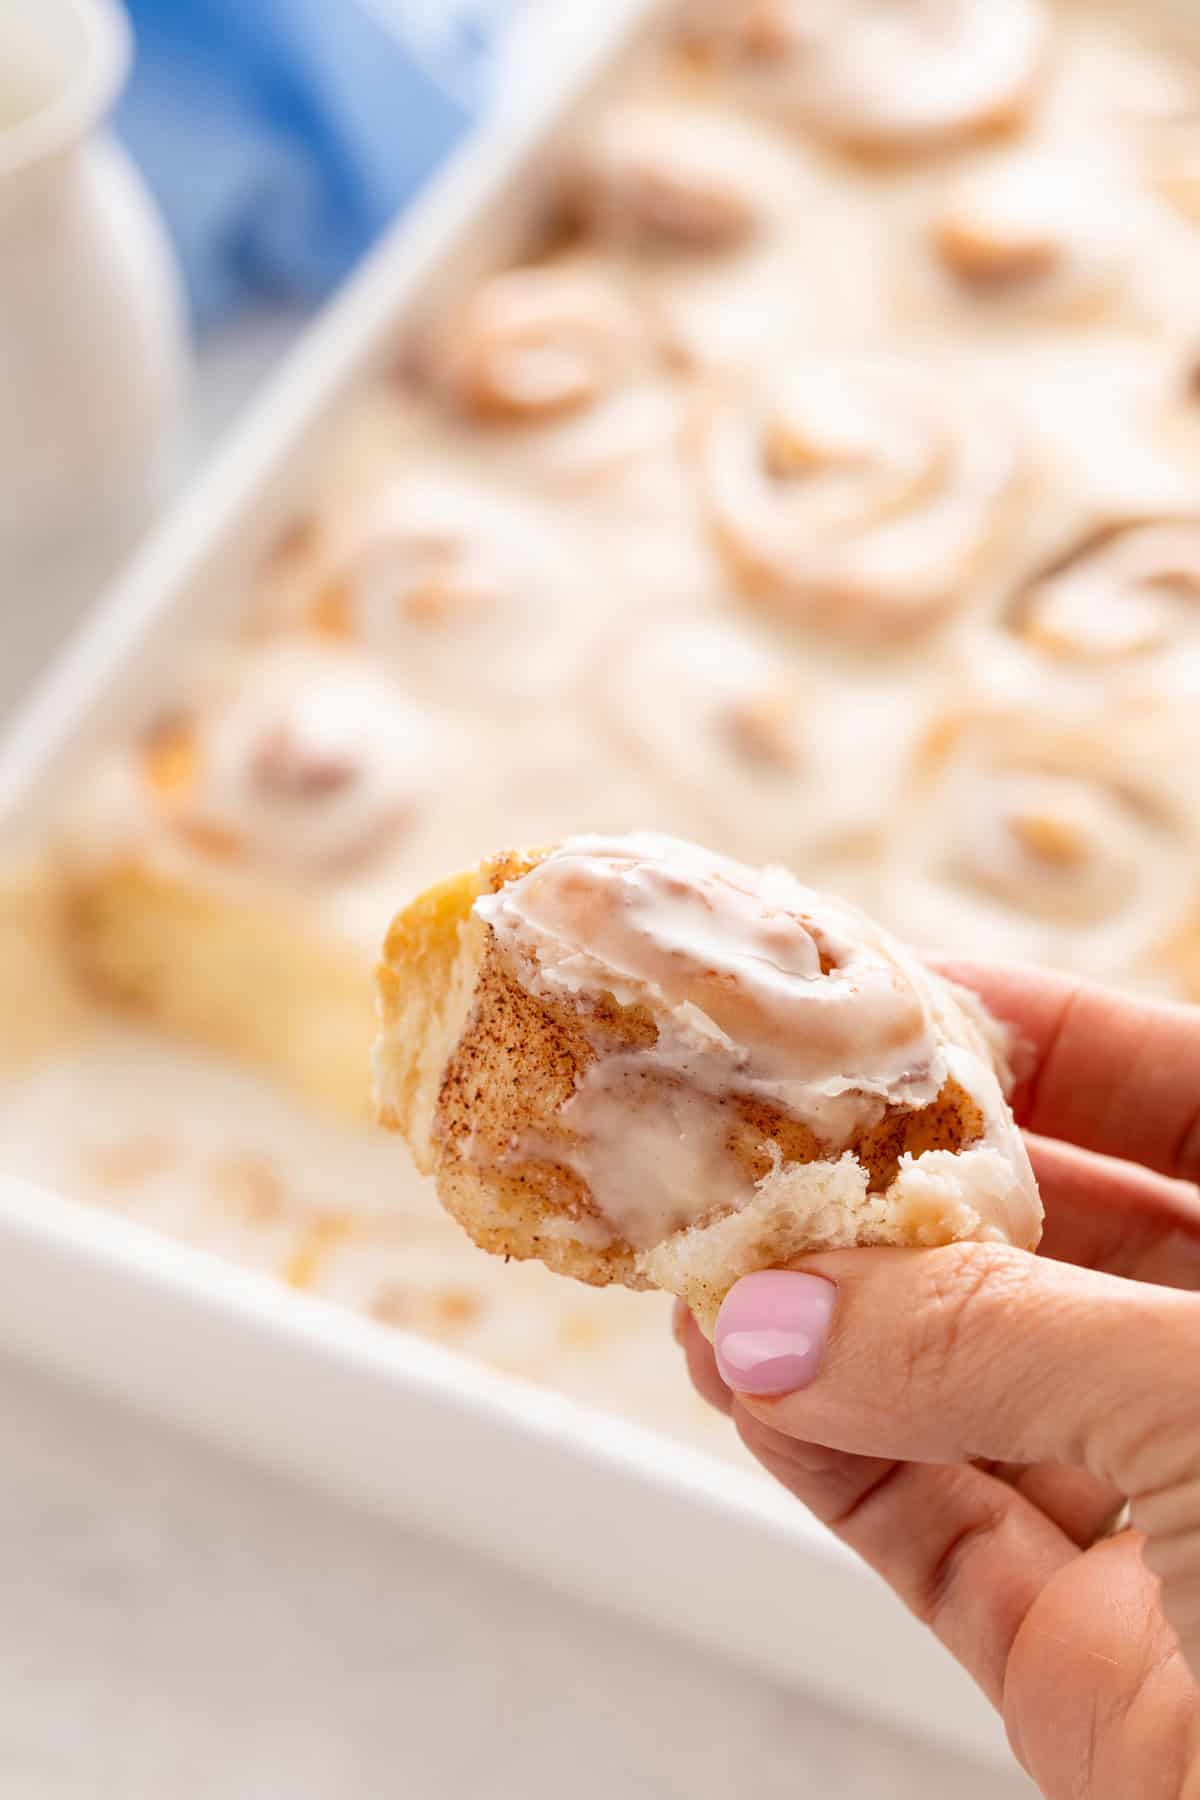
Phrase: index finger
x=1104 y=1071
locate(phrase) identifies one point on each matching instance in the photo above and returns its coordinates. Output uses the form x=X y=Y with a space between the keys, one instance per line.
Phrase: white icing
x=610 y=442
x=459 y=591
x=556 y=383
x=712 y=223
x=675 y=180
x=735 y=952
x=537 y=344
x=712 y=714
x=1128 y=594
x=656 y=1153
x=1034 y=234
x=1052 y=845
x=860 y=491
x=312 y=761
x=1060 y=844
x=757 y=986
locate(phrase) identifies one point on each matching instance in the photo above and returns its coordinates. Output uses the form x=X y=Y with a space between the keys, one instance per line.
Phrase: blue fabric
x=280 y=136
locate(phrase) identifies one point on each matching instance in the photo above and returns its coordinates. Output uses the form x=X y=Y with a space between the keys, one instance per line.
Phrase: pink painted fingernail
x=771 y=1331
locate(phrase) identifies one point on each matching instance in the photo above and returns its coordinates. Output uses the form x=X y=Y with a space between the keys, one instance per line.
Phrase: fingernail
x=771 y=1331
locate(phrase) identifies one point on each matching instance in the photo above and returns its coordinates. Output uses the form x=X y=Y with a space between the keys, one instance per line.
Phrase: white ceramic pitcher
x=92 y=344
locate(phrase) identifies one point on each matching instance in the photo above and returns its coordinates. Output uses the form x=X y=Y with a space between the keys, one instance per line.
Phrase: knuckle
x=796 y=1462
x=969 y=1289
x=942 y=1582
x=1149 y=1448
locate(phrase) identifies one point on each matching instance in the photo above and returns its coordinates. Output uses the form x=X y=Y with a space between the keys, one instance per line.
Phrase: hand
x=971 y=1419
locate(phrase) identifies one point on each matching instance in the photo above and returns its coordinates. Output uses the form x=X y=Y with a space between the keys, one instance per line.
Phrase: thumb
x=972 y=1350
x=982 y=1351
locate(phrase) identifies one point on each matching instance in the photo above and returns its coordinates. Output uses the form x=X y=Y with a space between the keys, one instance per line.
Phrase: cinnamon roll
x=893 y=79
x=215 y=871
x=537 y=344
x=741 y=745
x=644 y=1063
x=859 y=495
x=673 y=180
x=1059 y=841
x=711 y=715
x=467 y=596
x=554 y=369
x=307 y=761
x=713 y=221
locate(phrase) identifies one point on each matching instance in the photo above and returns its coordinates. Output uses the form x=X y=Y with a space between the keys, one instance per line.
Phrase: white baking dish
x=604 y=1508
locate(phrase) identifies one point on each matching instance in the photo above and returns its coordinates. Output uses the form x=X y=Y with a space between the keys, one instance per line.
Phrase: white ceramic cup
x=92 y=337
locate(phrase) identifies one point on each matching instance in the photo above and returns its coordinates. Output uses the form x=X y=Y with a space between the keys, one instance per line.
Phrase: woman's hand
x=972 y=1419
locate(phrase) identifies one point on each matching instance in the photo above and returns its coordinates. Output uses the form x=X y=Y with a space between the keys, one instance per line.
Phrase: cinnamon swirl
x=859 y=495
x=644 y=1063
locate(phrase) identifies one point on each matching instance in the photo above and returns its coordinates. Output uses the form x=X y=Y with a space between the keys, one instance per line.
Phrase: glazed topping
x=783 y=986
x=881 y=75
x=655 y=1153
x=537 y=344
x=1122 y=595
x=856 y=491
x=1050 y=834
x=663 y=178
x=1031 y=231
x=563 y=370
x=456 y=588
x=711 y=705
x=312 y=763
x=746 y=988
x=1053 y=844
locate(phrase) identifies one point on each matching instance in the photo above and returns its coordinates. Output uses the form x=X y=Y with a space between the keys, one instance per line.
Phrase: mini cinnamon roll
x=537 y=344
x=644 y=1063
x=1052 y=841
x=859 y=495
x=304 y=761
x=712 y=221
x=220 y=867
x=720 y=724
x=894 y=79
x=748 y=749
x=466 y=595
x=555 y=371
x=673 y=180
x=1032 y=235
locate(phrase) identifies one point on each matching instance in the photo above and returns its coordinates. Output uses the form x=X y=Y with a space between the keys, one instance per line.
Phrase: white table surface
x=176 y=1626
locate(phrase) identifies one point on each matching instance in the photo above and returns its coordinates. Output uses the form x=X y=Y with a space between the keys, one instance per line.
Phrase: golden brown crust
x=515 y=1064
x=43 y=1005
x=245 y=979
